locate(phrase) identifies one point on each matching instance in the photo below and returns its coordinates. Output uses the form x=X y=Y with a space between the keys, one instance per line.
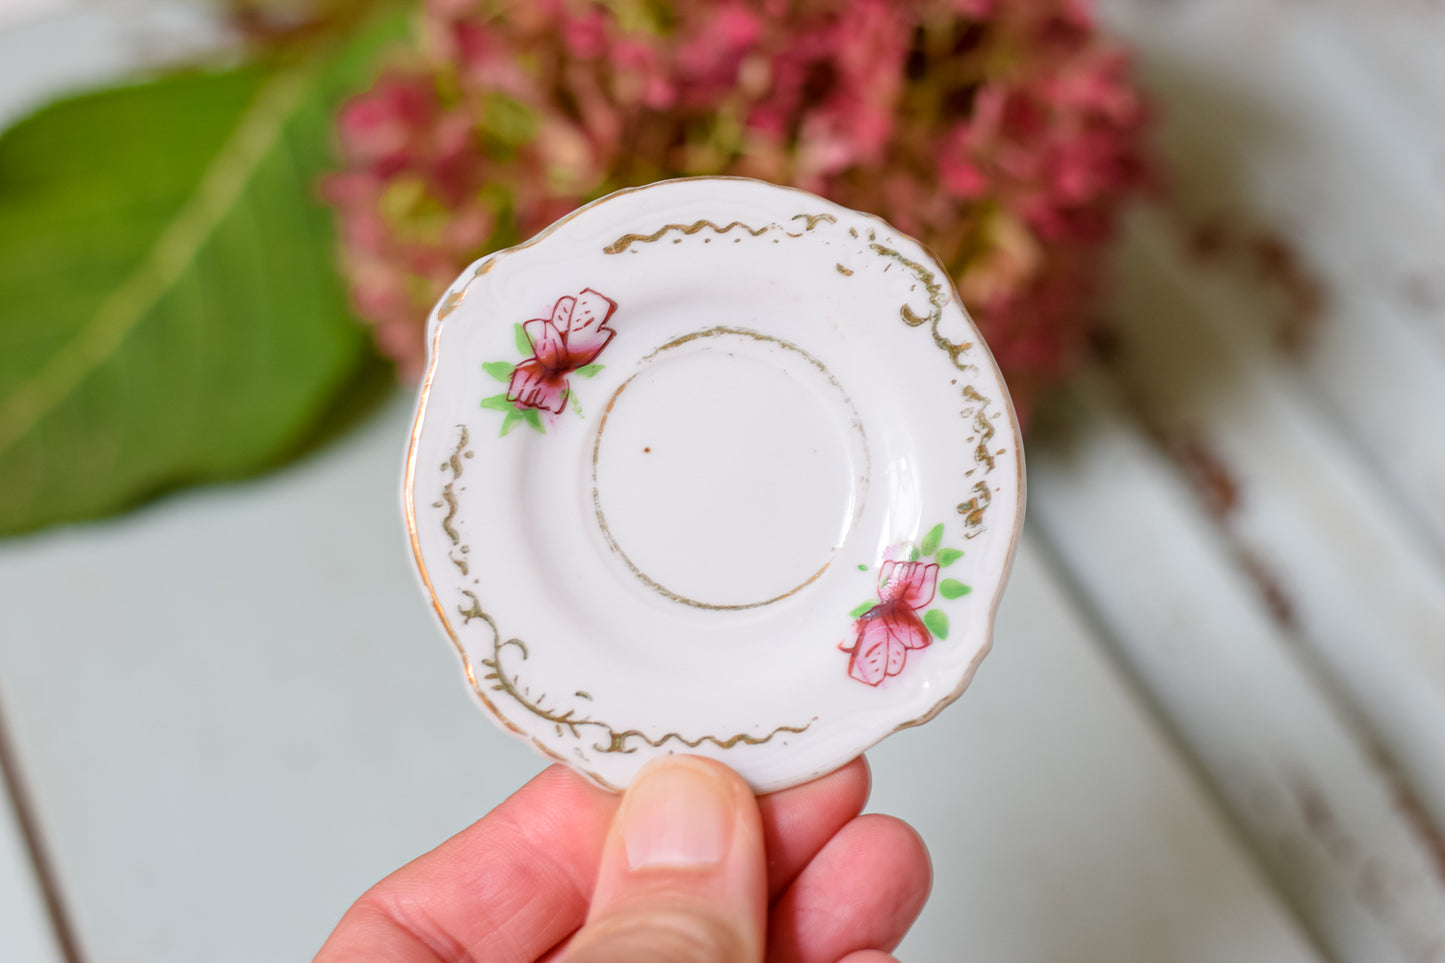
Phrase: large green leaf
x=169 y=310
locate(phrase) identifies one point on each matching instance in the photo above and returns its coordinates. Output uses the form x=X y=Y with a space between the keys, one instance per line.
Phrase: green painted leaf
x=862 y=610
x=590 y=370
x=499 y=370
x=862 y=567
x=513 y=419
x=497 y=403
x=576 y=403
x=952 y=588
x=937 y=623
x=171 y=312
x=947 y=556
x=524 y=343
x=914 y=554
x=534 y=419
x=932 y=539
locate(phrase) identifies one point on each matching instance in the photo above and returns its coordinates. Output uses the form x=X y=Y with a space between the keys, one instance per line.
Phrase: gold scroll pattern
x=937 y=300
x=449 y=500
x=627 y=240
x=451 y=303
x=976 y=406
x=566 y=722
x=975 y=412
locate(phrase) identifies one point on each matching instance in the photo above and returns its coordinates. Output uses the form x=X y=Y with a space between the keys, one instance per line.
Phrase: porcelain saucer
x=712 y=466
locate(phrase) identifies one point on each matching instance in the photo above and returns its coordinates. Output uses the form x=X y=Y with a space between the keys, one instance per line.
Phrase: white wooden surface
x=1326 y=123
x=1249 y=493
x=52 y=47
x=1298 y=780
x=249 y=717
x=1213 y=727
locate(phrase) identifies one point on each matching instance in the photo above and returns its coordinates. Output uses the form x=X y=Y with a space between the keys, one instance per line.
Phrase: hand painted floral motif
x=566 y=343
x=887 y=629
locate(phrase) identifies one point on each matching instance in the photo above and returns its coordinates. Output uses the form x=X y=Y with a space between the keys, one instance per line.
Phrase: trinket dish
x=712 y=466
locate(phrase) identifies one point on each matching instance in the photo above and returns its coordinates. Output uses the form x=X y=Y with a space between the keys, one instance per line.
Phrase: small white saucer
x=712 y=466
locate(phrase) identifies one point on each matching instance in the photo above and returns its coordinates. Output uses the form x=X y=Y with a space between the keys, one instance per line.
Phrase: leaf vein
x=173 y=251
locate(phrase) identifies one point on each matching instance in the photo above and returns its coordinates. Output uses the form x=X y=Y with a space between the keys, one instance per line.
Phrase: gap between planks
x=1193 y=631
x=66 y=945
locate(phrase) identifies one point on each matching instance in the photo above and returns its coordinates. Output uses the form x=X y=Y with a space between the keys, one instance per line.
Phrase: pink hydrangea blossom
x=1003 y=134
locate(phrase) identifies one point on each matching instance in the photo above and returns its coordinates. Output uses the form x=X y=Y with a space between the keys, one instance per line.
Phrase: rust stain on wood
x=1411 y=809
x=1268 y=256
x=1269 y=587
x=1414 y=813
x=1220 y=491
x=1208 y=239
x=1278 y=262
x=1207 y=472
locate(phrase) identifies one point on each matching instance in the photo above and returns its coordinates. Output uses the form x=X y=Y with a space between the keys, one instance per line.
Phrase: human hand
x=686 y=867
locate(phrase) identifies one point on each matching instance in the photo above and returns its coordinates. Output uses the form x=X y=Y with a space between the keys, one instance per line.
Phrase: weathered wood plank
x=1189 y=622
x=1313 y=134
x=1350 y=577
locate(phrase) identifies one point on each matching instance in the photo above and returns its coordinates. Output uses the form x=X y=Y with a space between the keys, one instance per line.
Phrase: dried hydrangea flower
x=1004 y=135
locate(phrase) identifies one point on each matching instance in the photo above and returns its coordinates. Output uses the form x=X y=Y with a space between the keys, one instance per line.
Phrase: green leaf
x=576 y=403
x=952 y=588
x=524 y=343
x=931 y=540
x=513 y=419
x=500 y=370
x=171 y=313
x=862 y=567
x=590 y=370
x=863 y=609
x=947 y=556
x=534 y=419
x=914 y=554
x=497 y=403
x=937 y=623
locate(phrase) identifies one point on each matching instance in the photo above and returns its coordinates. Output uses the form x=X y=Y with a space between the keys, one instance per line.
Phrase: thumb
x=683 y=877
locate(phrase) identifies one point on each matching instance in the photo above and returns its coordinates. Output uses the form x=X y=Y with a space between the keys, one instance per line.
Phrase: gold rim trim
x=409 y=513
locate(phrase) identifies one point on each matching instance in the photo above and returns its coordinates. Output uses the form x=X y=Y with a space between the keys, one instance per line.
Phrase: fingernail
x=676 y=814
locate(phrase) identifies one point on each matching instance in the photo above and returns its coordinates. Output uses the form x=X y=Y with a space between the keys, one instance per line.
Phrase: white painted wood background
x=1213 y=726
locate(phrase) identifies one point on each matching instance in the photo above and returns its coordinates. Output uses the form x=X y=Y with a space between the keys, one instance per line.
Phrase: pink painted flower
x=571 y=338
x=889 y=629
